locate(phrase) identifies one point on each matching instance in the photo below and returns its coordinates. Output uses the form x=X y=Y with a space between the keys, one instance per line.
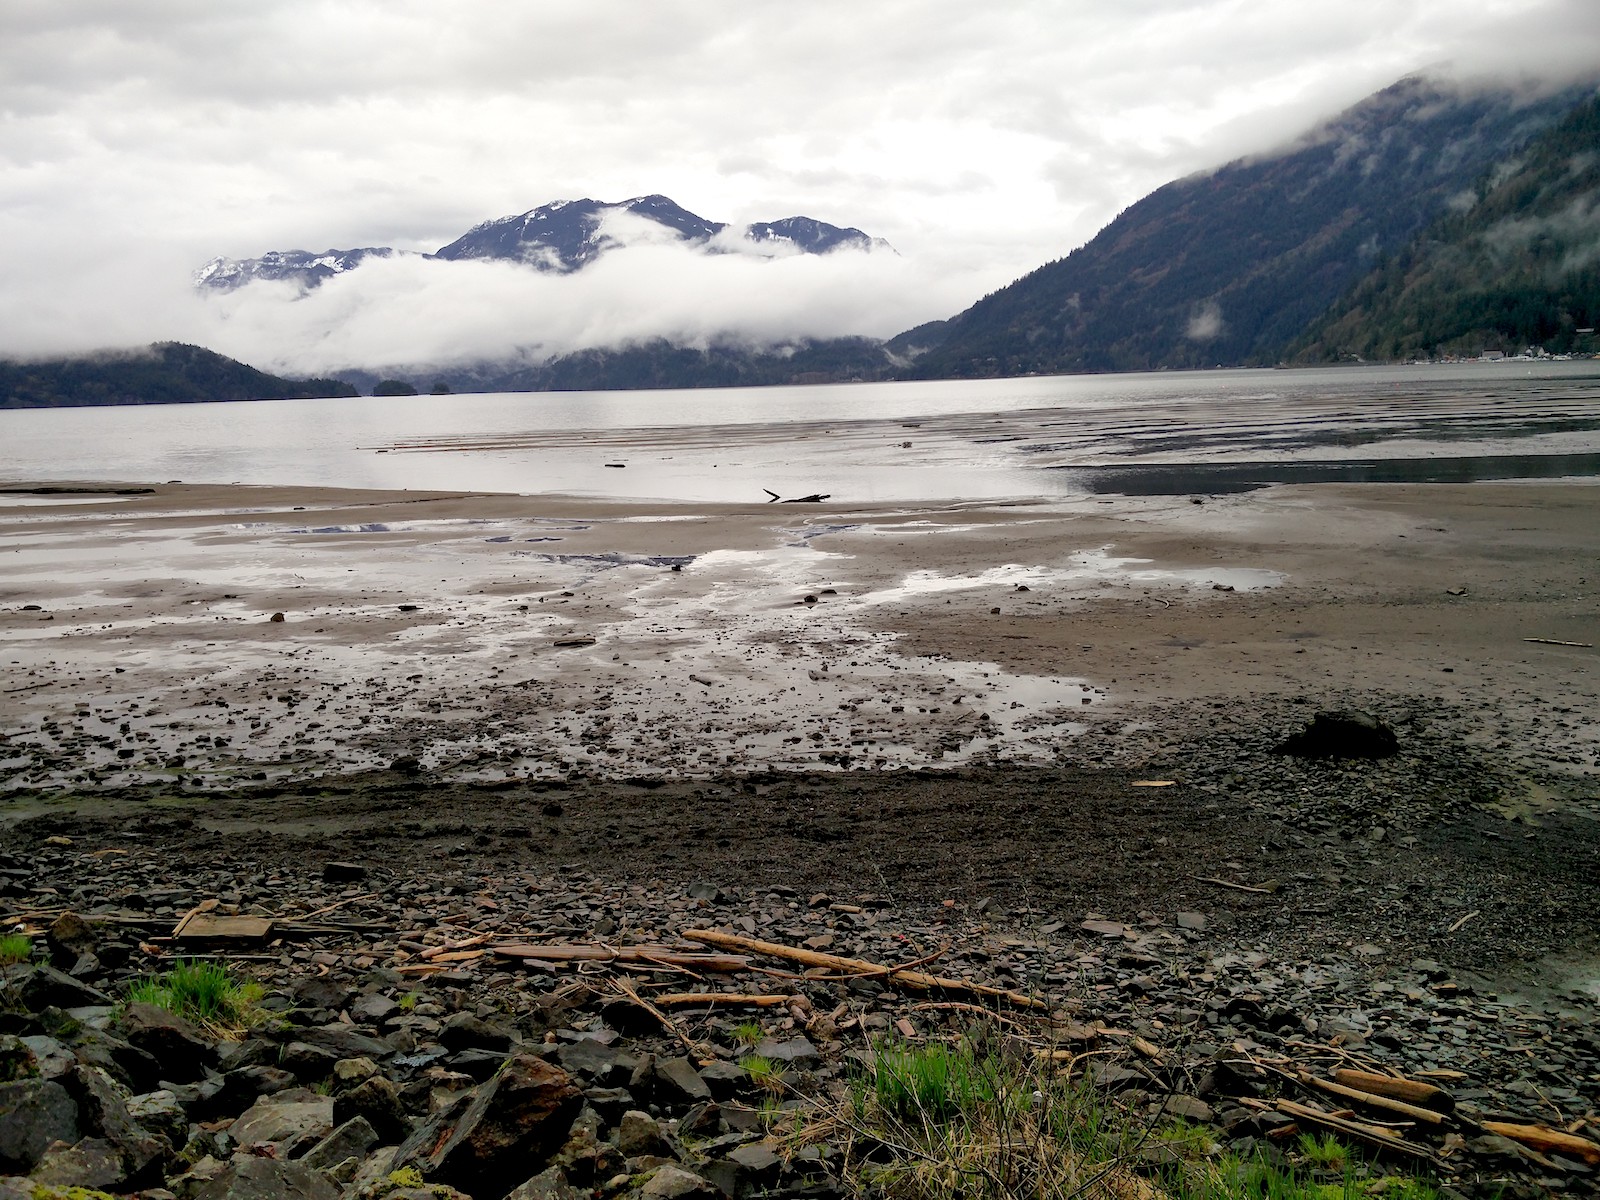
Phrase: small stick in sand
x=1238 y=887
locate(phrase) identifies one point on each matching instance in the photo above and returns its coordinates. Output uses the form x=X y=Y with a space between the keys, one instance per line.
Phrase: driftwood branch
x=1457 y=925
x=1554 y=642
x=708 y=999
x=916 y=980
x=1238 y=887
x=660 y=955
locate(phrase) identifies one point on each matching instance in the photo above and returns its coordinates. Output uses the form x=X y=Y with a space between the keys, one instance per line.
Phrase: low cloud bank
x=412 y=312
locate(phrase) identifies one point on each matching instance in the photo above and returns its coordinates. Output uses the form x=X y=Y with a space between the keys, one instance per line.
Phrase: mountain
x=1512 y=264
x=662 y=364
x=1231 y=266
x=570 y=234
x=299 y=266
x=165 y=373
x=563 y=237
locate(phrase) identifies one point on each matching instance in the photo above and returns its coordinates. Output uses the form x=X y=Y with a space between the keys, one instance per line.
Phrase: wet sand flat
x=490 y=636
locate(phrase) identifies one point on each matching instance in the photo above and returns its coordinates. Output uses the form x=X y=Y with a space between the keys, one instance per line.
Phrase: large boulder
x=509 y=1130
x=249 y=1178
x=1342 y=735
x=71 y=942
x=93 y=1163
x=181 y=1048
x=103 y=1112
x=377 y=1101
x=290 y=1122
x=36 y=987
x=33 y=1114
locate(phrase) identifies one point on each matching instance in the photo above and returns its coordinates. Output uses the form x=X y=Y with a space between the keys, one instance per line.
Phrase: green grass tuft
x=15 y=948
x=1326 y=1153
x=203 y=992
x=747 y=1033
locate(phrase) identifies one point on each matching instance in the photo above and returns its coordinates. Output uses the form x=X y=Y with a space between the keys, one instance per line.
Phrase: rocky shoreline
x=1195 y=947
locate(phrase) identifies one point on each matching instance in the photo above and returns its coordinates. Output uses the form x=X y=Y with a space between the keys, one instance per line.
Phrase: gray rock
x=37 y=987
x=513 y=1124
x=674 y=1183
x=639 y=1133
x=353 y=1139
x=793 y=1050
x=251 y=1178
x=550 y=1184
x=290 y=1122
x=93 y=1163
x=179 y=1046
x=1342 y=735
x=463 y=1031
x=17 y=1060
x=378 y=1102
x=373 y=1009
x=681 y=1080
x=103 y=1111
x=33 y=1114
x=160 y=1113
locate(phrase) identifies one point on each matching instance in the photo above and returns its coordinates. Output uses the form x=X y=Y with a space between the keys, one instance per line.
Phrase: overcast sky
x=138 y=138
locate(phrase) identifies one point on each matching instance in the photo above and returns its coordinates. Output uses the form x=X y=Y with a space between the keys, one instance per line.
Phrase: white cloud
x=1206 y=322
x=141 y=137
x=413 y=312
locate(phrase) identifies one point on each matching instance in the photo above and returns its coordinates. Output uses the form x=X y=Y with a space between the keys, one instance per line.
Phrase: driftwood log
x=1384 y=1103
x=1546 y=1140
x=813 y=498
x=916 y=980
x=1395 y=1088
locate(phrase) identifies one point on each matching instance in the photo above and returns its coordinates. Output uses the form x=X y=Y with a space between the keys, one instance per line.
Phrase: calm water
x=1213 y=430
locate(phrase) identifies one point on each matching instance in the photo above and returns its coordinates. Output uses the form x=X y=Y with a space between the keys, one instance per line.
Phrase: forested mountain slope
x=1232 y=266
x=1514 y=264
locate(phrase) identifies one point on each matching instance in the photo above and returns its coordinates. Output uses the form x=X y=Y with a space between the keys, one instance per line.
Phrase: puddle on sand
x=11 y=500
x=1083 y=573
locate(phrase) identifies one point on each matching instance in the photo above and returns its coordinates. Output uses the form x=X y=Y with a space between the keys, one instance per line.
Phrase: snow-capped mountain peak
x=563 y=236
